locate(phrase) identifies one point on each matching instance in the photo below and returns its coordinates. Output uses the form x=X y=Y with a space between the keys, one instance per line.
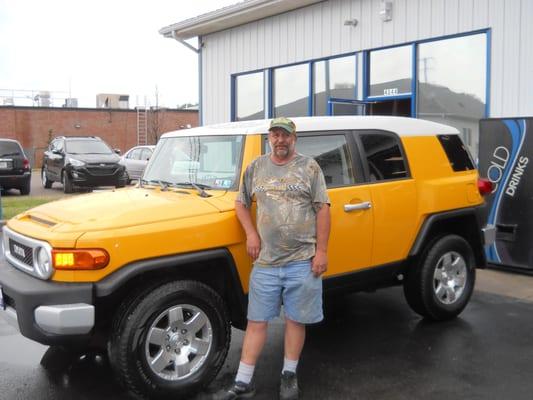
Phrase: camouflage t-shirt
x=287 y=197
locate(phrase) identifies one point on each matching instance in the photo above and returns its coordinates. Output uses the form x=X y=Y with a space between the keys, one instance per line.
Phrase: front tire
x=68 y=187
x=47 y=183
x=170 y=342
x=441 y=283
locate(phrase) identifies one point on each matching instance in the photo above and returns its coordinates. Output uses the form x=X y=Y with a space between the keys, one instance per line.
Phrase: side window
x=146 y=154
x=332 y=154
x=135 y=154
x=59 y=145
x=457 y=153
x=384 y=156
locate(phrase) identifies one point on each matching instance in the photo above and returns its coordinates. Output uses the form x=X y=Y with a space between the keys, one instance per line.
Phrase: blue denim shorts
x=293 y=285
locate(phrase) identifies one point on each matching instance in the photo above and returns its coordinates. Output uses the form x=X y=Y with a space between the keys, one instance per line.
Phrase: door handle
x=365 y=205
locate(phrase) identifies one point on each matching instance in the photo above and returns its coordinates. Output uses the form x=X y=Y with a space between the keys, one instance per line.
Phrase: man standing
x=289 y=249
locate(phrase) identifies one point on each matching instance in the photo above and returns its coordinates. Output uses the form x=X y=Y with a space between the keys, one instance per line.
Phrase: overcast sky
x=98 y=46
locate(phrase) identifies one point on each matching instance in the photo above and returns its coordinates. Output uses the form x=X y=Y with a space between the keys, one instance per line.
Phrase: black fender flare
x=224 y=279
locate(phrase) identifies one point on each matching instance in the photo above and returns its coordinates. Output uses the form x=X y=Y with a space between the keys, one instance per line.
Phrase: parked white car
x=135 y=161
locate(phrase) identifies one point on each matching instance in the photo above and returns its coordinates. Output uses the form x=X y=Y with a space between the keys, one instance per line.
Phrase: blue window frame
x=409 y=90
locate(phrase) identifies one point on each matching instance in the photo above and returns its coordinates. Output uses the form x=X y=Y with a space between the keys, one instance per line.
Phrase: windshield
x=87 y=147
x=9 y=149
x=208 y=161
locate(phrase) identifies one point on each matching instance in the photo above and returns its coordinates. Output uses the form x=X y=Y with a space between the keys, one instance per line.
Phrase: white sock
x=289 y=365
x=245 y=373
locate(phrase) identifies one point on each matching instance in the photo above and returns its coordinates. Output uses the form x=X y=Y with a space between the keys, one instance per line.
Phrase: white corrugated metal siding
x=318 y=31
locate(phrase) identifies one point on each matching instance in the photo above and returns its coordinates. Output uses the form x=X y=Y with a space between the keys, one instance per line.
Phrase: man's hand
x=319 y=264
x=253 y=245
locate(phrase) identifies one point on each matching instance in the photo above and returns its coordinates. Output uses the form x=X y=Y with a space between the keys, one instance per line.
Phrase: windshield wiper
x=198 y=186
x=164 y=184
x=9 y=154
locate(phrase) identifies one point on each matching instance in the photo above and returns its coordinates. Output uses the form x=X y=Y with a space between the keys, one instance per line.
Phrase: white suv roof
x=400 y=125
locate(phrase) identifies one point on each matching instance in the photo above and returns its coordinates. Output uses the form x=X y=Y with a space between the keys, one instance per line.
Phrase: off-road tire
x=422 y=290
x=127 y=348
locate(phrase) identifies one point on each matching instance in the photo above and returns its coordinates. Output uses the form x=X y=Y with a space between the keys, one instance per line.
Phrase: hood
x=96 y=158
x=120 y=208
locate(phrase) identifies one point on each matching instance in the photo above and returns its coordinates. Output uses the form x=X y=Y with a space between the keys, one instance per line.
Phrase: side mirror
x=117 y=151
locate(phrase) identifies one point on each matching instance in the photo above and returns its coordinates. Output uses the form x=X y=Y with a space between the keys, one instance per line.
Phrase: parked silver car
x=135 y=161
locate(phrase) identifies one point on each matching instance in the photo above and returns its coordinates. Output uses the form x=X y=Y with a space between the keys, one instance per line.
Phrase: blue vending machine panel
x=505 y=158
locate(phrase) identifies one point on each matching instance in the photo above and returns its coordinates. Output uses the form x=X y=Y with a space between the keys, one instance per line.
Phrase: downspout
x=200 y=86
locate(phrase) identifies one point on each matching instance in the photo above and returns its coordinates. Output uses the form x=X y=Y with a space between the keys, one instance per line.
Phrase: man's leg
x=254 y=340
x=294 y=339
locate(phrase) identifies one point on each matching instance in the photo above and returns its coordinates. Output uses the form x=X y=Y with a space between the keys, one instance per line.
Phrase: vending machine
x=506 y=159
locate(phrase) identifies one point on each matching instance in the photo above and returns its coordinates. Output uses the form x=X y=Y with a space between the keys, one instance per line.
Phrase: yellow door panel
x=350 y=243
x=395 y=219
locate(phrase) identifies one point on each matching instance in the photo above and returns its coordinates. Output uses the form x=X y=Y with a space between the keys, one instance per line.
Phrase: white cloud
x=99 y=46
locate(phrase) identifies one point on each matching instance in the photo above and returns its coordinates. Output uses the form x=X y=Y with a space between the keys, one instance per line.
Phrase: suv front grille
x=21 y=252
x=102 y=169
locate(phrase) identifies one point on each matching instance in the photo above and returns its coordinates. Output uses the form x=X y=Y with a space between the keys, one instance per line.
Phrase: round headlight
x=43 y=263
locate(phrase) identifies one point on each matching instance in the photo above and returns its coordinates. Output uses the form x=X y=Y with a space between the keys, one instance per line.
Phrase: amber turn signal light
x=79 y=259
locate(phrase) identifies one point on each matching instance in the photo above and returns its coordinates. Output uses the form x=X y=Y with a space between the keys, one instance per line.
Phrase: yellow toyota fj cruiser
x=159 y=272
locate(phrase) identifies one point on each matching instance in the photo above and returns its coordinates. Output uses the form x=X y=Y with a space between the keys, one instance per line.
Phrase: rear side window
x=9 y=149
x=384 y=157
x=457 y=153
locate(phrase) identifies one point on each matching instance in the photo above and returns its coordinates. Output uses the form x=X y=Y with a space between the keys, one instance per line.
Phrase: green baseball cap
x=283 y=123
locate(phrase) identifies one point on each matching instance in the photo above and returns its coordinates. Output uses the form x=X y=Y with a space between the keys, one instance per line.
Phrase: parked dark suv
x=15 y=171
x=85 y=161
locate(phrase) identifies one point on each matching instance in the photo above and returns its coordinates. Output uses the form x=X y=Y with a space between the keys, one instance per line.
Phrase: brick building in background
x=34 y=127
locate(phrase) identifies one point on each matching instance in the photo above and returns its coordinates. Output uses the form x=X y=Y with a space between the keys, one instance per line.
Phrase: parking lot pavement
x=371 y=346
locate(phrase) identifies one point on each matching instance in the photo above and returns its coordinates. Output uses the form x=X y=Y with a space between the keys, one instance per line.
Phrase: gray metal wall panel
x=318 y=31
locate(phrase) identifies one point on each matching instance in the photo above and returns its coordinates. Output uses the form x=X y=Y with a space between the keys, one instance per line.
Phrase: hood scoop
x=41 y=221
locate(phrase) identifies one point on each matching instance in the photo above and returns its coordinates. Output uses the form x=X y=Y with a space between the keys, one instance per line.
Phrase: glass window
x=291 y=91
x=135 y=154
x=146 y=154
x=250 y=98
x=452 y=83
x=333 y=78
x=457 y=153
x=384 y=157
x=205 y=160
x=331 y=153
x=9 y=149
x=390 y=71
x=82 y=146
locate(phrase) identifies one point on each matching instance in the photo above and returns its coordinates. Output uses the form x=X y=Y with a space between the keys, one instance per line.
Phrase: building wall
x=318 y=31
x=35 y=127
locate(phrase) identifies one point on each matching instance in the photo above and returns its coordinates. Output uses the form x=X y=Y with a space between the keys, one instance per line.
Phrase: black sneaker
x=288 y=388
x=237 y=390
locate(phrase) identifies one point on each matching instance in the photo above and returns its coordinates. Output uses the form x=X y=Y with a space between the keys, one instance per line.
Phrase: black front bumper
x=24 y=294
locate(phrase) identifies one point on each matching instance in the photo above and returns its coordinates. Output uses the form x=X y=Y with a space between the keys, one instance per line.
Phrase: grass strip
x=12 y=206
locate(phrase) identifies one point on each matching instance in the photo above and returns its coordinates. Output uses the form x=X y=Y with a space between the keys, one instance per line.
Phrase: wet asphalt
x=371 y=346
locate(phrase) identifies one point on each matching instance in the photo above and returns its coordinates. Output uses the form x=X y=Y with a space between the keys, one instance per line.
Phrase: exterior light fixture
x=351 y=22
x=385 y=11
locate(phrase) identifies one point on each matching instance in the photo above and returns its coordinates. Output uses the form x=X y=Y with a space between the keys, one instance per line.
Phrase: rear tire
x=47 y=183
x=25 y=189
x=68 y=187
x=440 y=285
x=171 y=341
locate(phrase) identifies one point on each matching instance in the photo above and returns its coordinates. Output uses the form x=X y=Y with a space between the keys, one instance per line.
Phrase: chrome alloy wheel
x=449 y=278
x=178 y=342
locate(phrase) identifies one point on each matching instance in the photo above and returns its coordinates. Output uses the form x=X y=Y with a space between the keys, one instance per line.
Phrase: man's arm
x=253 y=242
x=319 y=264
